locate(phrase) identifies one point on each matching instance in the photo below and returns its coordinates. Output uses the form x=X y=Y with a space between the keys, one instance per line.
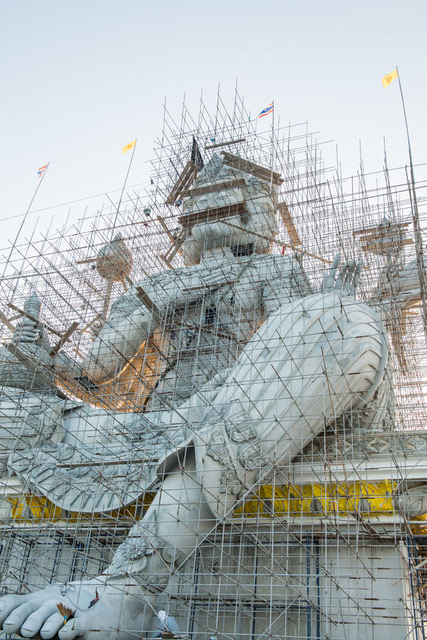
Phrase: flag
x=196 y=156
x=388 y=79
x=41 y=171
x=129 y=146
x=267 y=110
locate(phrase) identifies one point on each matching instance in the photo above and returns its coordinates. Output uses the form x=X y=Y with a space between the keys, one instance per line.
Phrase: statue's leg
x=176 y=520
x=306 y=366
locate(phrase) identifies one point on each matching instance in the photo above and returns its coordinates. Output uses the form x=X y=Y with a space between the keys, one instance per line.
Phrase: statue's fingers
x=52 y=625
x=26 y=333
x=17 y=617
x=29 y=327
x=27 y=324
x=29 y=335
x=329 y=276
x=340 y=277
x=8 y=604
x=350 y=267
x=36 y=620
x=337 y=260
x=349 y=273
x=357 y=275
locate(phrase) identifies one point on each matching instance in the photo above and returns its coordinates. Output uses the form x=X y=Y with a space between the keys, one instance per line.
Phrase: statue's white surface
x=209 y=436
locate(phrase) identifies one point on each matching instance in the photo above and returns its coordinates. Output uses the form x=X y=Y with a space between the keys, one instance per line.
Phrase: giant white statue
x=237 y=397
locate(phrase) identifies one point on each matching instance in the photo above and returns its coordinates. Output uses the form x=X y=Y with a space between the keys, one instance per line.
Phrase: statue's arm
x=400 y=287
x=25 y=362
x=129 y=324
x=135 y=316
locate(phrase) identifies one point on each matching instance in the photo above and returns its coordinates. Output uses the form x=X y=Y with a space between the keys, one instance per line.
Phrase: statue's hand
x=344 y=280
x=30 y=332
x=27 y=330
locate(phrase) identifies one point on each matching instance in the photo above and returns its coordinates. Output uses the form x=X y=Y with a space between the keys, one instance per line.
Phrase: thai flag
x=267 y=110
x=41 y=171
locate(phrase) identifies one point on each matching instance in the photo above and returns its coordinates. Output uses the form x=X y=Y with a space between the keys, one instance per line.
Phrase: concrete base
x=262 y=583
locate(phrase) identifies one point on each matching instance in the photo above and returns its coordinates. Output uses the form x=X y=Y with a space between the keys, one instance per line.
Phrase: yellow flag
x=129 y=146
x=388 y=79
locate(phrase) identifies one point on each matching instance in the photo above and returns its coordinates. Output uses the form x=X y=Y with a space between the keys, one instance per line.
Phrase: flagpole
x=272 y=145
x=406 y=127
x=124 y=184
x=26 y=213
x=415 y=213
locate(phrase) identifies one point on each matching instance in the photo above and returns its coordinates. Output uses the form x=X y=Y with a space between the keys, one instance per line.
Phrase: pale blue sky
x=81 y=79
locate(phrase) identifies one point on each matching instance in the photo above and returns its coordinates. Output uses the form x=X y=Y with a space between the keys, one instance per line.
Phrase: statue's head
x=228 y=208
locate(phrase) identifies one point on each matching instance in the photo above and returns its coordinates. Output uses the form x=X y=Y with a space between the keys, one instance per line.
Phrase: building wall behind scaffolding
x=319 y=549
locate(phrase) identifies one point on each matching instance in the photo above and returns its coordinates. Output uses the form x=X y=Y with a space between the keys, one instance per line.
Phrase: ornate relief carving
x=362 y=444
x=146 y=555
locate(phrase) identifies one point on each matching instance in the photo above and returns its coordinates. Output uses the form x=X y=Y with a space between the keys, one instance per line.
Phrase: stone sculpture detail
x=316 y=356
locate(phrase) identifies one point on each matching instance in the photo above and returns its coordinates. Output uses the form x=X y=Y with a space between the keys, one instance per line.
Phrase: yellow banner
x=388 y=79
x=129 y=146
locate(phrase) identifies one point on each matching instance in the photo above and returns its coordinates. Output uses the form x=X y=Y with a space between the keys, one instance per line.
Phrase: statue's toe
x=36 y=620
x=16 y=619
x=7 y=605
x=51 y=626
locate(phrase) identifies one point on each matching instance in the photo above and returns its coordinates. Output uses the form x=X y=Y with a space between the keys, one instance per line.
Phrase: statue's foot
x=107 y=611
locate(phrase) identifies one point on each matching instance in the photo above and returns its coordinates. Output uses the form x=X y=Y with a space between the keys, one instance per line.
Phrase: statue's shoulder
x=284 y=273
x=171 y=285
x=164 y=276
x=276 y=265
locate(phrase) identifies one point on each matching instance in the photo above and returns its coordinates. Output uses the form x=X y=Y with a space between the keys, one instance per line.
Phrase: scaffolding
x=316 y=547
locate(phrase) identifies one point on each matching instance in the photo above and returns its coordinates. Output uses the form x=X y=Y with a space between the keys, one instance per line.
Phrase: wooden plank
x=166 y=261
x=380 y=232
x=6 y=322
x=64 y=339
x=289 y=224
x=209 y=215
x=28 y=315
x=32 y=365
x=381 y=228
x=212 y=188
x=382 y=248
x=22 y=312
x=165 y=229
x=86 y=261
x=186 y=176
x=147 y=301
x=98 y=317
x=170 y=256
x=251 y=167
x=176 y=246
x=380 y=237
x=180 y=183
x=225 y=144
